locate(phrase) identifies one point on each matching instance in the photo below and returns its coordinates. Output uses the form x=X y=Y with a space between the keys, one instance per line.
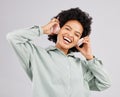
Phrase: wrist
x=44 y=29
x=90 y=57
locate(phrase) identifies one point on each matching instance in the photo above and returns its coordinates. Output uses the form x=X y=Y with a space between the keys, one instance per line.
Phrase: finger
x=86 y=39
x=51 y=24
x=55 y=20
x=78 y=48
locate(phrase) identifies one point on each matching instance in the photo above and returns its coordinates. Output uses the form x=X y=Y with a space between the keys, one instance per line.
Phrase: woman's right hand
x=52 y=27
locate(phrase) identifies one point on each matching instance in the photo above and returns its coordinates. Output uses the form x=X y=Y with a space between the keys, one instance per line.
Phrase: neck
x=65 y=51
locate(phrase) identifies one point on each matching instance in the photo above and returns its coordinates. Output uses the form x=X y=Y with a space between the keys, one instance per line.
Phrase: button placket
x=69 y=79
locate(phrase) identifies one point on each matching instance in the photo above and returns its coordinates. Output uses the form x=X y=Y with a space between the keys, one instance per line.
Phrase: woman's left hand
x=86 y=50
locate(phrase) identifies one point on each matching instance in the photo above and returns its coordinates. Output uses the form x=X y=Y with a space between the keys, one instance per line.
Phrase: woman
x=55 y=71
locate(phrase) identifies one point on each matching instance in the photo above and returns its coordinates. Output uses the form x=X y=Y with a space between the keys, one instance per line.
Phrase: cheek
x=76 y=39
x=60 y=33
x=59 y=36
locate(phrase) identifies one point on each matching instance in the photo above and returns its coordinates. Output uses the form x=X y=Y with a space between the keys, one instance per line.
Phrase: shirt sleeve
x=21 y=42
x=96 y=76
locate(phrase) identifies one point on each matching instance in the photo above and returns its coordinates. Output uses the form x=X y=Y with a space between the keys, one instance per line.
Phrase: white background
x=17 y=14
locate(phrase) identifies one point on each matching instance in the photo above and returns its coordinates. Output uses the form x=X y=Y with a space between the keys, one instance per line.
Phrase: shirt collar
x=52 y=48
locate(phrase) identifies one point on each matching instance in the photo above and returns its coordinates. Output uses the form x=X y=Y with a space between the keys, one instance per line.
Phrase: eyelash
x=75 y=34
x=67 y=29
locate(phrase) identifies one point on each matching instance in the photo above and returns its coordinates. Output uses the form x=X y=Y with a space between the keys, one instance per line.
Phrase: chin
x=67 y=46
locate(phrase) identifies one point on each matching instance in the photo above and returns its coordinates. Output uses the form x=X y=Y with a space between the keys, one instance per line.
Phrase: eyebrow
x=71 y=28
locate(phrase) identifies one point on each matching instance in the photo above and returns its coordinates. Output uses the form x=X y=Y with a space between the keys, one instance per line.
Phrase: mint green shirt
x=53 y=73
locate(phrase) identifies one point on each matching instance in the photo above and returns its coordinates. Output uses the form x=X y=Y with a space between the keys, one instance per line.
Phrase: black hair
x=73 y=14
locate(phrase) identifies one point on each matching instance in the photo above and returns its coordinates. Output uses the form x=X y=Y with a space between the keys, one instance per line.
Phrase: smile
x=67 y=40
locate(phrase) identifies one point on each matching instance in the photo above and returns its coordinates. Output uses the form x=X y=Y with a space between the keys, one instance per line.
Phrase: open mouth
x=67 y=40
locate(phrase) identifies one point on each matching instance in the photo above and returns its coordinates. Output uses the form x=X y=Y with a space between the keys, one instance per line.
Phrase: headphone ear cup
x=80 y=42
x=81 y=45
x=55 y=29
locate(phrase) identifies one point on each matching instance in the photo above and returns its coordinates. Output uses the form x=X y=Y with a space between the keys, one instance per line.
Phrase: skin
x=68 y=37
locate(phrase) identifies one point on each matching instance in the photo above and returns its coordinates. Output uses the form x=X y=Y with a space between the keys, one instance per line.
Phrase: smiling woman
x=55 y=71
x=74 y=14
x=69 y=35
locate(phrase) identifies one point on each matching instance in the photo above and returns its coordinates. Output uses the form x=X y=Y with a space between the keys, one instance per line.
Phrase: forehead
x=74 y=24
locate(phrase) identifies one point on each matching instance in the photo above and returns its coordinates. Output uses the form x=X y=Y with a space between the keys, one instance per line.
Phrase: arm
x=21 y=42
x=96 y=76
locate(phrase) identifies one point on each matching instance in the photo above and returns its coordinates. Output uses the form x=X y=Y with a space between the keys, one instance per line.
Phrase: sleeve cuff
x=94 y=62
x=40 y=30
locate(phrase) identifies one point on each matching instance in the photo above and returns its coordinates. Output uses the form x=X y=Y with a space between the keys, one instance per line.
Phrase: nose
x=71 y=33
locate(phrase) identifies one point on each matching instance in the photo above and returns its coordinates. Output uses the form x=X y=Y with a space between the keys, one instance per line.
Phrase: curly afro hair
x=73 y=14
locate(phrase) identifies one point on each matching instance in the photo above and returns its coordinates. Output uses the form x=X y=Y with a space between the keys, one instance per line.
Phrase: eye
x=67 y=29
x=76 y=34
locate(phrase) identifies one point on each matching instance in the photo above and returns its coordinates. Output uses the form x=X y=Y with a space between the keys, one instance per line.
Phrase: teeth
x=67 y=39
